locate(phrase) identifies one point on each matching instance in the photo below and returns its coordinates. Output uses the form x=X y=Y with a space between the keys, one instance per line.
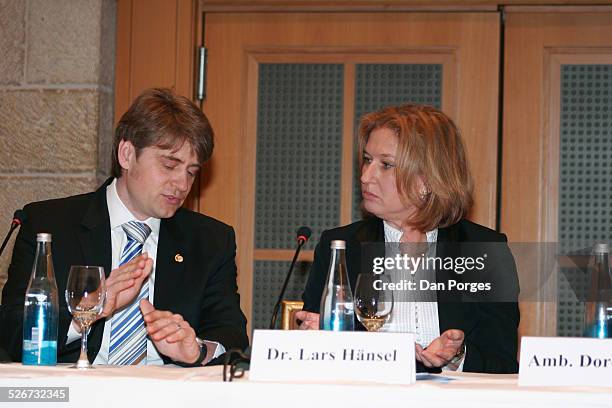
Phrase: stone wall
x=57 y=61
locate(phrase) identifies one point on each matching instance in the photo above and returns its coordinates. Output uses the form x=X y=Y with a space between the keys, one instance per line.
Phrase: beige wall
x=56 y=101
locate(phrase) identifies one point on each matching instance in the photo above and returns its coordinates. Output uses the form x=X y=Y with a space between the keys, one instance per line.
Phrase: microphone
x=302 y=235
x=19 y=218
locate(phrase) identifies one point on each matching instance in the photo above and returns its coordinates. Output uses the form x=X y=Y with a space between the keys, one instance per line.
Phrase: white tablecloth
x=149 y=387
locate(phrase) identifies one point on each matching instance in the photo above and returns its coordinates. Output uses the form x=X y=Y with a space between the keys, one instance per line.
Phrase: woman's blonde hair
x=429 y=146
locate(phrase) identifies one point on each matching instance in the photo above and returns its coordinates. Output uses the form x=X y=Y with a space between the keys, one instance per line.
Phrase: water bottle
x=597 y=318
x=41 y=309
x=337 y=312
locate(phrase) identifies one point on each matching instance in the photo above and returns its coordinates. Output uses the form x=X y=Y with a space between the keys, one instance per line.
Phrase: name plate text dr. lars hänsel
x=296 y=355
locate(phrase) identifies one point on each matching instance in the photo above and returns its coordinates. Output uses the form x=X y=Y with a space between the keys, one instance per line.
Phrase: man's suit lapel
x=169 y=264
x=94 y=236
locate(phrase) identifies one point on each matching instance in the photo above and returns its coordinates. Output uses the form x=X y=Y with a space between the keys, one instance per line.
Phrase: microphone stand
x=301 y=242
x=14 y=226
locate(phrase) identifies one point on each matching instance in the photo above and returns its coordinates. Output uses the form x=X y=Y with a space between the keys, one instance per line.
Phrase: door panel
x=557 y=117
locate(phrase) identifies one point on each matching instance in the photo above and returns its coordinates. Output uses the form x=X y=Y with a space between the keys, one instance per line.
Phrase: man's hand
x=442 y=349
x=172 y=336
x=124 y=283
x=310 y=321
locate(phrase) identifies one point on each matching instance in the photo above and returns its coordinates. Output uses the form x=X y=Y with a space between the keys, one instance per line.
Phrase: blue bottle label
x=599 y=329
x=340 y=317
x=39 y=352
x=39 y=334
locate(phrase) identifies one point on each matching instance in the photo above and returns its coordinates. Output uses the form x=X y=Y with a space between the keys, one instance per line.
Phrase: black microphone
x=18 y=218
x=303 y=233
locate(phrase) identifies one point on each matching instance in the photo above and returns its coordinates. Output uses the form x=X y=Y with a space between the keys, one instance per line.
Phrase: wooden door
x=557 y=143
x=251 y=55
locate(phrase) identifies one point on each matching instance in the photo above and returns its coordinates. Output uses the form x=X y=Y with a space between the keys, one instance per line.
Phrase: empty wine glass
x=85 y=295
x=373 y=300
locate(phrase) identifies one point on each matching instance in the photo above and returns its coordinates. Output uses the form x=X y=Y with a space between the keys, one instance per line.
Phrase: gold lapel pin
x=178 y=258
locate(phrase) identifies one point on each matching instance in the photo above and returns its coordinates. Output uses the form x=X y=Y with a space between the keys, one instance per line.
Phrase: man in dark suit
x=180 y=280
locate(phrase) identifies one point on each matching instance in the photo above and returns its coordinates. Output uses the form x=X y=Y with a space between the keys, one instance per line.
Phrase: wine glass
x=373 y=300
x=85 y=295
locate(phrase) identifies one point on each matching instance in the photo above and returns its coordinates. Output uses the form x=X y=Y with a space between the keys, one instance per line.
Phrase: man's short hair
x=159 y=117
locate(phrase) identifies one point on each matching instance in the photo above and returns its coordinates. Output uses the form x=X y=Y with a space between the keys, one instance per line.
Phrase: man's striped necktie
x=128 y=339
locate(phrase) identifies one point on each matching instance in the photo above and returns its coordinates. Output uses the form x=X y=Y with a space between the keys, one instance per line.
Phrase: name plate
x=309 y=355
x=565 y=361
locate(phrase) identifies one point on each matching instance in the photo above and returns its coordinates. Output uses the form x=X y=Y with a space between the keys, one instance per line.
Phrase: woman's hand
x=442 y=349
x=310 y=321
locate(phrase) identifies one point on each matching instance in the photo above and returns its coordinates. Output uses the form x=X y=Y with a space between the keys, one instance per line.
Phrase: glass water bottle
x=41 y=309
x=337 y=311
x=597 y=309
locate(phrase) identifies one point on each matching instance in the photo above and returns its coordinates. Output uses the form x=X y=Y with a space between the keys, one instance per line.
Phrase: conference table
x=170 y=386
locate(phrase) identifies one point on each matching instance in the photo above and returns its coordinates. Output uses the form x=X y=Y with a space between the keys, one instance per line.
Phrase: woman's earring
x=423 y=194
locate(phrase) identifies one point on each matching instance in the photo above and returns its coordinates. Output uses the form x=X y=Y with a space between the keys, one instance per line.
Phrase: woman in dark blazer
x=417 y=189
